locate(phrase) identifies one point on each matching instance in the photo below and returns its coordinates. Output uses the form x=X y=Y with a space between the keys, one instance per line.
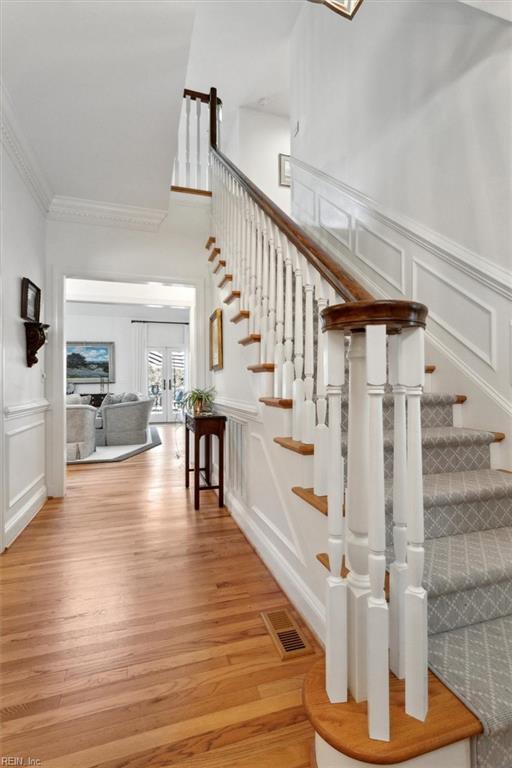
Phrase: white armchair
x=80 y=431
x=124 y=423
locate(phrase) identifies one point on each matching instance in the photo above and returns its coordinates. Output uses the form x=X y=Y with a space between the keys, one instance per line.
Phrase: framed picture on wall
x=216 y=362
x=30 y=301
x=285 y=171
x=90 y=362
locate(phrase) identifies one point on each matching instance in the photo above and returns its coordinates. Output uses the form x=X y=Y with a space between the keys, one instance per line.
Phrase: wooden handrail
x=362 y=308
x=342 y=282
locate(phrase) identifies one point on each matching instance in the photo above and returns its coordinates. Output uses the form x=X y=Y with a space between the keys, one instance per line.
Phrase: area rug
x=109 y=453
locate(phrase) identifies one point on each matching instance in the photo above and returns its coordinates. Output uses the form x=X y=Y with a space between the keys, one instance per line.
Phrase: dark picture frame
x=90 y=362
x=30 y=301
x=216 y=342
x=285 y=172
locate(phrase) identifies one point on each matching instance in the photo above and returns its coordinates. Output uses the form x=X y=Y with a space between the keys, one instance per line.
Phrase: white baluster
x=252 y=269
x=398 y=569
x=357 y=516
x=416 y=632
x=177 y=161
x=271 y=322
x=187 y=141
x=259 y=273
x=288 y=370
x=198 y=139
x=377 y=611
x=298 y=384
x=264 y=291
x=336 y=597
x=321 y=435
x=246 y=255
x=308 y=406
x=279 y=348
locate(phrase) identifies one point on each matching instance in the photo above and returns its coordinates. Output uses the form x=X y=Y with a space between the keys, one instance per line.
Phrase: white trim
x=359 y=225
x=189 y=200
x=21 y=154
x=476 y=266
x=25 y=428
x=26 y=409
x=82 y=211
x=295 y=545
x=24 y=491
x=240 y=408
x=501 y=402
x=23 y=517
x=488 y=359
x=306 y=602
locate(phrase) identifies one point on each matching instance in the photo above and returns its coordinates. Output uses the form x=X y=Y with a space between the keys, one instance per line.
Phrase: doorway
x=167 y=373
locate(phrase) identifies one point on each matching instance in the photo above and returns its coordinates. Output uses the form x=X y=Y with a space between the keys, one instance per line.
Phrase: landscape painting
x=90 y=362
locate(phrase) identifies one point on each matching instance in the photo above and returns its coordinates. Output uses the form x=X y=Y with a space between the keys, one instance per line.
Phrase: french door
x=167 y=381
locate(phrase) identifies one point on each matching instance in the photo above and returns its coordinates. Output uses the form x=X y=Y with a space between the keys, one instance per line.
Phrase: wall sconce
x=36 y=335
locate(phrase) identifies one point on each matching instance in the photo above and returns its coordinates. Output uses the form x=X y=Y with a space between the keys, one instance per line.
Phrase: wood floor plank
x=131 y=631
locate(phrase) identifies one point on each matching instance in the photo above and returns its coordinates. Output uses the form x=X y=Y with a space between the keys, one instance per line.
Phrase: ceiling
x=242 y=48
x=96 y=86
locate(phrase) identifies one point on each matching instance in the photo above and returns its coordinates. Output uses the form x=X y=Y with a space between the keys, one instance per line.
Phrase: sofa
x=80 y=431
x=123 y=422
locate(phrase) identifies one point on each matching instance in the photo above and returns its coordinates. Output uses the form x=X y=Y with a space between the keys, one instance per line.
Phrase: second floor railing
x=319 y=329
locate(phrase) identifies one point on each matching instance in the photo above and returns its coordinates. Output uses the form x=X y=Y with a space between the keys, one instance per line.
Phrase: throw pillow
x=73 y=400
x=130 y=397
x=85 y=399
x=111 y=399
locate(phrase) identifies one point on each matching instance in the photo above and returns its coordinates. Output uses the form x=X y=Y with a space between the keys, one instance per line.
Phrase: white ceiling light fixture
x=346 y=8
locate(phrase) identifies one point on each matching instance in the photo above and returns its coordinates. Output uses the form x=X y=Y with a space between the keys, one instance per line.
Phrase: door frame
x=56 y=353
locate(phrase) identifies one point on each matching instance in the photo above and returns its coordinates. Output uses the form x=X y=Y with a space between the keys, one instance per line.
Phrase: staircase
x=419 y=525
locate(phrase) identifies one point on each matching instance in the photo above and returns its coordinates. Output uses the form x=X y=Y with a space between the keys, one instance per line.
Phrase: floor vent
x=285 y=634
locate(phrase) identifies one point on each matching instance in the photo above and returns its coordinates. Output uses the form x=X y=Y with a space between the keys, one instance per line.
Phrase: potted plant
x=199 y=400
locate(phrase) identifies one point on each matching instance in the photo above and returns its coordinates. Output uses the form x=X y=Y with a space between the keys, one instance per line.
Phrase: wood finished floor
x=131 y=633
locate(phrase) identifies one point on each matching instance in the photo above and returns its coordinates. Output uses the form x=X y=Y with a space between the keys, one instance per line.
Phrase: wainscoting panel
x=469 y=297
x=25 y=466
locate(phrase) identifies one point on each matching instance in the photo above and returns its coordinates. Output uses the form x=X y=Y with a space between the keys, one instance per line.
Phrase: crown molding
x=22 y=156
x=93 y=212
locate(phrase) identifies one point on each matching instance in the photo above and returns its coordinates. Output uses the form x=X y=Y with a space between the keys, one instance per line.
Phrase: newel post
x=416 y=637
x=336 y=597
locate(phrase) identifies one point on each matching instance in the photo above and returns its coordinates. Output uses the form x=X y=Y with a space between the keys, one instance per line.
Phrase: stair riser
x=431 y=416
x=453 y=519
x=460 y=609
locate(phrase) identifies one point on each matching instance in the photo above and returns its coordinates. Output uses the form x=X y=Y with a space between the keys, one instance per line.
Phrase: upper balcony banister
x=342 y=282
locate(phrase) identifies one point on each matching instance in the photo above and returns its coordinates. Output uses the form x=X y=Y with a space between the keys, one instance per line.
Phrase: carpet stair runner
x=468 y=570
x=468 y=567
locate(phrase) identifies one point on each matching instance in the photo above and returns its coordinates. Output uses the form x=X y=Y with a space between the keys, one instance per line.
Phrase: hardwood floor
x=131 y=633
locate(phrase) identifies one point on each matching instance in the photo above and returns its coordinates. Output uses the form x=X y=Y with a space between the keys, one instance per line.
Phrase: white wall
x=255 y=141
x=107 y=322
x=23 y=404
x=411 y=104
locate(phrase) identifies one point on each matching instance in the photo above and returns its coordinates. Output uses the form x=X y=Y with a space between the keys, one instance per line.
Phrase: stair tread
x=305 y=449
x=467 y=560
x=277 y=402
x=451 y=488
x=444 y=436
x=345 y=726
x=474 y=662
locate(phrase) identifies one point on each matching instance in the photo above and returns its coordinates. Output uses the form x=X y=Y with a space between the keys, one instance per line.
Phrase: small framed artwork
x=30 y=301
x=285 y=171
x=216 y=362
x=90 y=362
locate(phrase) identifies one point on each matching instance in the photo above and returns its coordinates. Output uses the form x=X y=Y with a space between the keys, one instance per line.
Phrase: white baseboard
x=24 y=515
x=296 y=589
